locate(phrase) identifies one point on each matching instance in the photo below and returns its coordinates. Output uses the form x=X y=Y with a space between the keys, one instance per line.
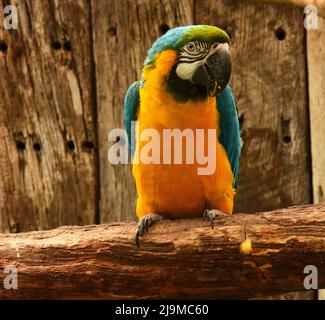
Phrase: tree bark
x=178 y=259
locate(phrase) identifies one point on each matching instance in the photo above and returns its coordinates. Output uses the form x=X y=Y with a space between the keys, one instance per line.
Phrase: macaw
x=184 y=84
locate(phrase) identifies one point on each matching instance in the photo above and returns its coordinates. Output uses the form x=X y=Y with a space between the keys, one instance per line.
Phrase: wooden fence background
x=63 y=77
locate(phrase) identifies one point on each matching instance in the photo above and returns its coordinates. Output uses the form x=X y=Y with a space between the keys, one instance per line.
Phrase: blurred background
x=65 y=70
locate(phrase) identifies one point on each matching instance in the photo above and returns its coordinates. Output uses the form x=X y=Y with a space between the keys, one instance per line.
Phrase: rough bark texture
x=47 y=127
x=178 y=259
x=269 y=84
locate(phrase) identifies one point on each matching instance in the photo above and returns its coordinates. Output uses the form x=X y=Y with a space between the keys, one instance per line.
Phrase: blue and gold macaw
x=185 y=85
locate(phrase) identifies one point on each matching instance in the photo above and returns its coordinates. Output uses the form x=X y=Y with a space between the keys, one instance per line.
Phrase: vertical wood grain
x=269 y=83
x=47 y=129
x=316 y=84
x=123 y=31
x=316 y=81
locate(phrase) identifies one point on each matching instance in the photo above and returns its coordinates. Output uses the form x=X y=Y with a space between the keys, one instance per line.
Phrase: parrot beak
x=215 y=72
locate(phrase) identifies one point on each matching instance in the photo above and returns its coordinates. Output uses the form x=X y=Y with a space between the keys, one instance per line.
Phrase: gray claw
x=210 y=215
x=144 y=225
x=137 y=239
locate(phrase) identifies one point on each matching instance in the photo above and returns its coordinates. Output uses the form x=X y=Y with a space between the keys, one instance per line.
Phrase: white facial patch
x=186 y=70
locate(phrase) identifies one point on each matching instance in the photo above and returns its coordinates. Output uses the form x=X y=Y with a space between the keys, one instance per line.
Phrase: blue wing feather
x=131 y=108
x=229 y=130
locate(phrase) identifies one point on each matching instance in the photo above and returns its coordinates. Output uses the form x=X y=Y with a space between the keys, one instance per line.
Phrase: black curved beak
x=215 y=72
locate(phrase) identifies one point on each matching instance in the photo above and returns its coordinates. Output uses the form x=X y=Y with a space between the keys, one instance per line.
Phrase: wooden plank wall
x=48 y=134
x=316 y=81
x=82 y=56
x=316 y=84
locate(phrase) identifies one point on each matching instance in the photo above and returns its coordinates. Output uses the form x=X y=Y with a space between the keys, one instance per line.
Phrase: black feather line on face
x=189 y=60
x=200 y=48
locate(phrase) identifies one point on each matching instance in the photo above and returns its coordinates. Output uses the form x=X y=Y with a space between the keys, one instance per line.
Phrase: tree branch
x=178 y=259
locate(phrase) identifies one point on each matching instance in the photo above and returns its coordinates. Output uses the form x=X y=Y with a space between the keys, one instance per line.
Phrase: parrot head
x=202 y=64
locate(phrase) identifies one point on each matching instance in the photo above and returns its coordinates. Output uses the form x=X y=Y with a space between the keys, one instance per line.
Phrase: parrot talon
x=137 y=237
x=210 y=215
x=144 y=225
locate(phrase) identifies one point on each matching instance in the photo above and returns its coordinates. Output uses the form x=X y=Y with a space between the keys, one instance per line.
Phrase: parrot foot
x=144 y=225
x=212 y=214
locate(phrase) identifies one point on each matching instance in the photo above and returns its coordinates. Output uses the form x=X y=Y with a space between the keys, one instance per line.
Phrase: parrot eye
x=196 y=47
x=190 y=46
